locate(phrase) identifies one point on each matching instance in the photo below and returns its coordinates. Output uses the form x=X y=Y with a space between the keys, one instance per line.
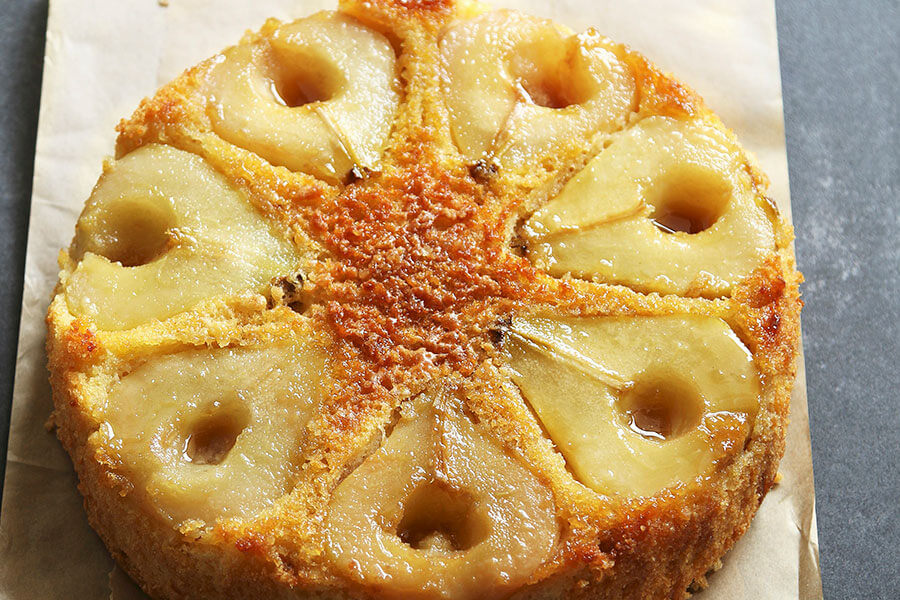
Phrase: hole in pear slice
x=548 y=75
x=135 y=232
x=544 y=89
x=438 y=517
x=211 y=437
x=298 y=79
x=661 y=407
x=689 y=200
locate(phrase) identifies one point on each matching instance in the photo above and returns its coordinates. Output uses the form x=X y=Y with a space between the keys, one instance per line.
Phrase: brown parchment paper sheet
x=103 y=56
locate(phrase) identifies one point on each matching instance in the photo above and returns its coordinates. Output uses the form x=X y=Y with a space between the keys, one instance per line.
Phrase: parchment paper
x=103 y=56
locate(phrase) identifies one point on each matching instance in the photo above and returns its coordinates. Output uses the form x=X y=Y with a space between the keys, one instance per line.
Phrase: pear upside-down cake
x=423 y=300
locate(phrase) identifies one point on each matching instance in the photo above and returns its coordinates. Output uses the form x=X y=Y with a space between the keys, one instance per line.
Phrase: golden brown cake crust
x=410 y=274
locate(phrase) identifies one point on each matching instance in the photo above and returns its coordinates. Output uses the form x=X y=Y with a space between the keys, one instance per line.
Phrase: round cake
x=424 y=300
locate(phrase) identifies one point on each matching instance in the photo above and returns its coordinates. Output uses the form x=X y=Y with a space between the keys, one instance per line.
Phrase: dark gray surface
x=842 y=92
x=22 y=27
x=841 y=75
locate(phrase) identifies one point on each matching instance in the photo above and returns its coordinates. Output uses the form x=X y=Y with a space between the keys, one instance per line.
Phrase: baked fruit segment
x=440 y=510
x=163 y=231
x=669 y=206
x=636 y=404
x=317 y=95
x=424 y=300
x=210 y=434
x=521 y=89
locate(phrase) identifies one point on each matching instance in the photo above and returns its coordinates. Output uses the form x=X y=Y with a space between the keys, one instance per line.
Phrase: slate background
x=840 y=64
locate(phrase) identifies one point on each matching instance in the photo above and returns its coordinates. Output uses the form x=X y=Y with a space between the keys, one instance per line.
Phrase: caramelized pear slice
x=440 y=510
x=318 y=95
x=519 y=87
x=668 y=207
x=162 y=231
x=636 y=404
x=208 y=434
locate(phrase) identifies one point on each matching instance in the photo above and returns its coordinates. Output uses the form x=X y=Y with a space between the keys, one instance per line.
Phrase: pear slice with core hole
x=519 y=87
x=162 y=231
x=440 y=510
x=318 y=95
x=636 y=404
x=205 y=434
x=668 y=207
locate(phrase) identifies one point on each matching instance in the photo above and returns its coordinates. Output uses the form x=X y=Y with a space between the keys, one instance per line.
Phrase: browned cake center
x=418 y=271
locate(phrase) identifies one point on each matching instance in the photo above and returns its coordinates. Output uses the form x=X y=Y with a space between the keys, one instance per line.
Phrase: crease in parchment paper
x=104 y=56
